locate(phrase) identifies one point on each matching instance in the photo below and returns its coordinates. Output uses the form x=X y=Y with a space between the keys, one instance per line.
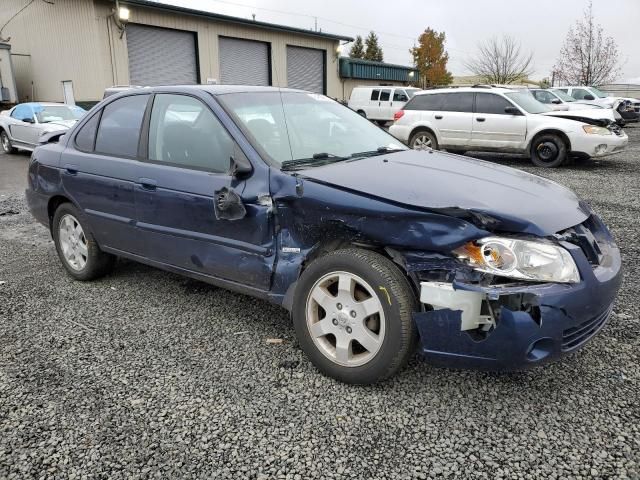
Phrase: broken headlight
x=522 y=259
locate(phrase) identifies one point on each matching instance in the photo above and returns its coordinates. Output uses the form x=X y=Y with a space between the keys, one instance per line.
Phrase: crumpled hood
x=62 y=123
x=506 y=198
x=593 y=113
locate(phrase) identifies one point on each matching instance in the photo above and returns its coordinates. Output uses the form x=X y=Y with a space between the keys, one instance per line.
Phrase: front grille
x=575 y=336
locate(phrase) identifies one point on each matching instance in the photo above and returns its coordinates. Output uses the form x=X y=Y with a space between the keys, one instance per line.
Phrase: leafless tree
x=501 y=61
x=588 y=57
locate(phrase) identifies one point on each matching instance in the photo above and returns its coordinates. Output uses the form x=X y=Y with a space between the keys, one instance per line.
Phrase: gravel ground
x=145 y=374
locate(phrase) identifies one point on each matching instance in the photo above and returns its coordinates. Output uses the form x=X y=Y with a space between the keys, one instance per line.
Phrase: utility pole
x=315 y=23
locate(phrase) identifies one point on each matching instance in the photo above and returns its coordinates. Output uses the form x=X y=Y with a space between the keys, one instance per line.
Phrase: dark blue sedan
x=373 y=248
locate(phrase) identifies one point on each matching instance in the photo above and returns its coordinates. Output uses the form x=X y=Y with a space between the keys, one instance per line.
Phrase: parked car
x=629 y=108
x=558 y=100
x=22 y=126
x=503 y=120
x=290 y=197
x=380 y=103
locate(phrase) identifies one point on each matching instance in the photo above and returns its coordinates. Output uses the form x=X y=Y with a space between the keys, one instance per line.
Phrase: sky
x=540 y=25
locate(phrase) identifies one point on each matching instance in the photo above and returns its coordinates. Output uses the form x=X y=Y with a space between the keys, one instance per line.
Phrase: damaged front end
x=482 y=322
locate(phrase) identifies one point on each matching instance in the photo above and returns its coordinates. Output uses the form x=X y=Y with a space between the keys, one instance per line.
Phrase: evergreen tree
x=373 y=50
x=357 y=49
x=431 y=59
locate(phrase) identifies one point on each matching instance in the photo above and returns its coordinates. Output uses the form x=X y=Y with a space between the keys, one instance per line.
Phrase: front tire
x=76 y=247
x=353 y=316
x=6 y=143
x=548 y=151
x=423 y=140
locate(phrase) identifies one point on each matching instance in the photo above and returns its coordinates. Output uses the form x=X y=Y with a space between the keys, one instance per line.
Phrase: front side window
x=491 y=103
x=579 y=93
x=543 y=97
x=183 y=132
x=22 y=112
x=457 y=102
x=303 y=126
x=400 y=96
x=119 y=130
x=562 y=95
x=527 y=102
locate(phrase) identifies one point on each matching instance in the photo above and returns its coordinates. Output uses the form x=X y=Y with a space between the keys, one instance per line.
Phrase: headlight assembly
x=593 y=130
x=521 y=259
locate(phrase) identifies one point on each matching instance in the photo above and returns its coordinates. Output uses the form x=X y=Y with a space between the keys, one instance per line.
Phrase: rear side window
x=119 y=131
x=86 y=137
x=427 y=102
x=579 y=93
x=183 y=132
x=490 y=103
x=385 y=95
x=457 y=102
x=375 y=94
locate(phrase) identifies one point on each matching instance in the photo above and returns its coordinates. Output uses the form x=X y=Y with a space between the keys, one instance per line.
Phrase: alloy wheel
x=345 y=319
x=422 y=142
x=73 y=242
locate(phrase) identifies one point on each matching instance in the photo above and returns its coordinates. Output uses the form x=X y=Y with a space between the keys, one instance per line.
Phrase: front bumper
x=598 y=146
x=536 y=323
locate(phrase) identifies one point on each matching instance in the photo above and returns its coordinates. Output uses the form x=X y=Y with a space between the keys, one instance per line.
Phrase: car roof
x=213 y=89
x=468 y=89
x=45 y=104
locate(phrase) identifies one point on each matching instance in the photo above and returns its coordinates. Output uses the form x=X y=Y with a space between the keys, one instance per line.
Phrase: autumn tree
x=373 y=50
x=430 y=58
x=357 y=49
x=501 y=61
x=587 y=56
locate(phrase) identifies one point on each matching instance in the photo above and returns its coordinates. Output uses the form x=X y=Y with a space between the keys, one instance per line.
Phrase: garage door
x=244 y=62
x=159 y=56
x=305 y=69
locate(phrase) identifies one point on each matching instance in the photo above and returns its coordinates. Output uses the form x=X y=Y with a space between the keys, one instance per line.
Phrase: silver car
x=23 y=125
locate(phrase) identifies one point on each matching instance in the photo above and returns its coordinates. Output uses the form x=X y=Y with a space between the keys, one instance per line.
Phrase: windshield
x=56 y=113
x=598 y=93
x=295 y=126
x=526 y=101
x=563 y=96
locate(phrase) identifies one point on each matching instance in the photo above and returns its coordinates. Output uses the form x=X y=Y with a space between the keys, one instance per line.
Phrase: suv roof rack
x=479 y=85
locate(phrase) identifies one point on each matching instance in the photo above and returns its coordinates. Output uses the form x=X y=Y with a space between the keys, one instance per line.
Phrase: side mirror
x=589 y=97
x=240 y=164
x=556 y=101
x=28 y=120
x=512 y=111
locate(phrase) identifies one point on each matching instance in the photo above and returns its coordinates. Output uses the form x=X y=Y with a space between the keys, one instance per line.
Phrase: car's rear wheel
x=76 y=247
x=548 y=151
x=353 y=316
x=423 y=140
x=362 y=113
x=6 y=143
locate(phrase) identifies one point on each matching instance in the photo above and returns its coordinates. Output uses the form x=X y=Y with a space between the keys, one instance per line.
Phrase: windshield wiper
x=316 y=160
x=377 y=151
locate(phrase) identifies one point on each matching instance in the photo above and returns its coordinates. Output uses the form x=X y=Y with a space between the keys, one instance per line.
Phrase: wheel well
x=422 y=128
x=559 y=133
x=53 y=205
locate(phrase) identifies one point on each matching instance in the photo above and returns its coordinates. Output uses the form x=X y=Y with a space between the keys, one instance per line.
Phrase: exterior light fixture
x=123 y=14
x=120 y=17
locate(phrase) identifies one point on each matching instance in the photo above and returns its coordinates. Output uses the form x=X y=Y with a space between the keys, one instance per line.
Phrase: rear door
x=99 y=168
x=493 y=127
x=188 y=161
x=455 y=118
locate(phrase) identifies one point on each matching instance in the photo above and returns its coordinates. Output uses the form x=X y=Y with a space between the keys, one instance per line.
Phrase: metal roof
x=229 y=19
x=369 y=70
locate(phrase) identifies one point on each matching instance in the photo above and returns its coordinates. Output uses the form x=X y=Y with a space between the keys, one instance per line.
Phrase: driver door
x=188 y=162
x=23 y=132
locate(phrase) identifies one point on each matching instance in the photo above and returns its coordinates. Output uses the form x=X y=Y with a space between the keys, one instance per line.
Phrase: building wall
x=622 y=90
x=351 y=83
x=77 y=40
x=7 y=76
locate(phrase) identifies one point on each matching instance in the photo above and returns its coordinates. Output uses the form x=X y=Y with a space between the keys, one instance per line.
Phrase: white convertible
x=22 y=126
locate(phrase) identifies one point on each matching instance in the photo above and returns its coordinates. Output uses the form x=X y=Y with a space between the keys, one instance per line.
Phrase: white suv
x=503 y=120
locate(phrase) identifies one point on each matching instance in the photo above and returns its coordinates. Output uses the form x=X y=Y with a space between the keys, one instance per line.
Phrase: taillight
x=398 y=115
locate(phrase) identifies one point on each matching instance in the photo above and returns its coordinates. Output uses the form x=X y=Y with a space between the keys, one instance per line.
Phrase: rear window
x=427 y=102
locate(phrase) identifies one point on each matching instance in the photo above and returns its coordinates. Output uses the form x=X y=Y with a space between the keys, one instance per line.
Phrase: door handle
x=438 y=117
x=71 y=169
x=480 y=119
x=148 y=184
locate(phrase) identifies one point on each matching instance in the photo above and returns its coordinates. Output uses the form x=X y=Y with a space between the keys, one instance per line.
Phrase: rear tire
x=423 y=140
x=78 y=251
x=6 y=143
x=548 y=151
x=352 y=313
x=362 y=113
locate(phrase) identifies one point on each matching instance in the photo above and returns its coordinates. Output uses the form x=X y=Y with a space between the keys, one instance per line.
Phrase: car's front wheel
x=423 y=140
x=548 y=150
x=353 y=316
x=76 y=247
x=6 y=143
